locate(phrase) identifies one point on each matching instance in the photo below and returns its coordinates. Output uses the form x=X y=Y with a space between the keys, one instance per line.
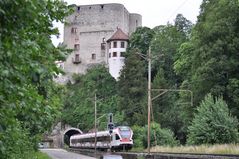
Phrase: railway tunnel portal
x=59 y=135
x=68 y=133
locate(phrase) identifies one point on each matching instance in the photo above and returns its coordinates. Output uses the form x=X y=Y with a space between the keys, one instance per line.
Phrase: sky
x=154 y=12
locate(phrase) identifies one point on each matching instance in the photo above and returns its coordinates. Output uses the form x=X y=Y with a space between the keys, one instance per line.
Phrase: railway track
x=161 y=155
x=88 y=152
x=166 y=155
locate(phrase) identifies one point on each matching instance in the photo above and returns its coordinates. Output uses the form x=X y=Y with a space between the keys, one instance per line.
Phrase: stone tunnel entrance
x=68 y=133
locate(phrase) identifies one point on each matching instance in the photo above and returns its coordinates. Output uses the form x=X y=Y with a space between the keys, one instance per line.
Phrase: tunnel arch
x=68 y=133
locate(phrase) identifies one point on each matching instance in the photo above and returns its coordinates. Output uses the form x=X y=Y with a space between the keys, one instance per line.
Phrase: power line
x=179 y=7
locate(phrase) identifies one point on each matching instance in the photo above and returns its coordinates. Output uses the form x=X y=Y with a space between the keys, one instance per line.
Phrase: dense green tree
x=213 y=123
x=183 y=61
x=167 y=108
x=132 y=90
x=183 y=25
x=139 y=42
x=79 y=100
x=141 y=39
x=165 y=45
x=29 y=99
x=209 y=61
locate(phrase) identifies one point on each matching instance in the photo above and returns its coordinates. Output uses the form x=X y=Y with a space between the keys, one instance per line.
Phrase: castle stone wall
x=94 y=24
x=135 y=20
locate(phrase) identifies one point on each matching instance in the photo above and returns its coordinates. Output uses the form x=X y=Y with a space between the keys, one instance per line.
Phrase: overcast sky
x=154 y=12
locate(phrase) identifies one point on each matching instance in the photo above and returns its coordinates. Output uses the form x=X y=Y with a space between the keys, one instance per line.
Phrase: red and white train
x=120 y=139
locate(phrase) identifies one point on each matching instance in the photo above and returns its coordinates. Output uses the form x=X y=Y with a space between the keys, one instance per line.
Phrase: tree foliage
x=207 y=63
x=79 y=101
x=29 y=99
x=141 y=39
x=167 y=108
x=132 y=90
x=158 y=136
x=200 y=59
x=210 y=58
x=163 y=136
x=213 y=123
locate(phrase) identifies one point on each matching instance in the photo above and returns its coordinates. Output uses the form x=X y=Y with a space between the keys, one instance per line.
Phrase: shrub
x=213 y=123
x=160 y=136
x=16 y=143
x=138 y=136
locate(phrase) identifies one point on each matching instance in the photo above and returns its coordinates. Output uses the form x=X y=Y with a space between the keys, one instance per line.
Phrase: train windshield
x=125 y=132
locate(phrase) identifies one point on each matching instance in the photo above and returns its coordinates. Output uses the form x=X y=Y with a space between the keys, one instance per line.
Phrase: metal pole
x=149 y=96
x=191 y=98
x=95 y=123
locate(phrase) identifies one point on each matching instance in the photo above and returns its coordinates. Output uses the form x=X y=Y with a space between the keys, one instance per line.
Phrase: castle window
x=109 y=55
x=77 y=47
x=102 y=46
x=77 y=57
x=89 y=7
x=115 y=44
x=110 y=45
x=76 y=60
x=136 y=22
x=122 y=54
x=122 y=44
x=102 y=6
x=78 y=9
x=73 y=30
x=93 y=56
x=114 y=54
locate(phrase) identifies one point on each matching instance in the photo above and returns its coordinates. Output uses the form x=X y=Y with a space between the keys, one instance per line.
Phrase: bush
x=213 y=123
x=138 y=136
x=16 y=143
x=163 y=137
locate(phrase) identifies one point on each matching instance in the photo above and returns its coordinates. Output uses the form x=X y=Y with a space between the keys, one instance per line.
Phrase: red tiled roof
x=119 y=35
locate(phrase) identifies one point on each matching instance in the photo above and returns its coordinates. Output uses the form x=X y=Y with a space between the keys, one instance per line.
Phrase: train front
x=125 y=141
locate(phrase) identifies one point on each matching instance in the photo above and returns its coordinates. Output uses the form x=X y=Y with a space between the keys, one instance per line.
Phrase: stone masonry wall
x=94 y=24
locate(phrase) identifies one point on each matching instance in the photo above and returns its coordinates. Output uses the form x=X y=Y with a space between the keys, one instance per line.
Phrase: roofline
x=109 y=40
x=99 y=4
x=136 y=14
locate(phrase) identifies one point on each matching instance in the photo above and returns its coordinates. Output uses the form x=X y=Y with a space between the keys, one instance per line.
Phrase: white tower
x=116 y=54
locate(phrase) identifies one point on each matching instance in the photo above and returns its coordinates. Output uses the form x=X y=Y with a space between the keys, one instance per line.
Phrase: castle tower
x=86 y=32
x=116 y=53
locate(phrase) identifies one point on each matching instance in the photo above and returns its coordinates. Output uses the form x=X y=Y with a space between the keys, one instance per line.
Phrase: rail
x=154 y=155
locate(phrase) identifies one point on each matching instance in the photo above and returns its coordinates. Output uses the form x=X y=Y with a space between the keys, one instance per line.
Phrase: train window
x=125 y=132
x=117 y=137
x=122 y=128
x=103 y=138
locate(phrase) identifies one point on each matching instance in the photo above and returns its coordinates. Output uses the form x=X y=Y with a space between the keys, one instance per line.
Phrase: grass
x=137 y=149
x=41 y=155
x=207 y=149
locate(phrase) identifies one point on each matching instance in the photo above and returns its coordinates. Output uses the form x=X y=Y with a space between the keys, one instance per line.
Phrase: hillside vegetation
x=201 y=58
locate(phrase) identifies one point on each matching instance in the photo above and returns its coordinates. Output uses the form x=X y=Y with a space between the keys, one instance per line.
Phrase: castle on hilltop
x=98 y=34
